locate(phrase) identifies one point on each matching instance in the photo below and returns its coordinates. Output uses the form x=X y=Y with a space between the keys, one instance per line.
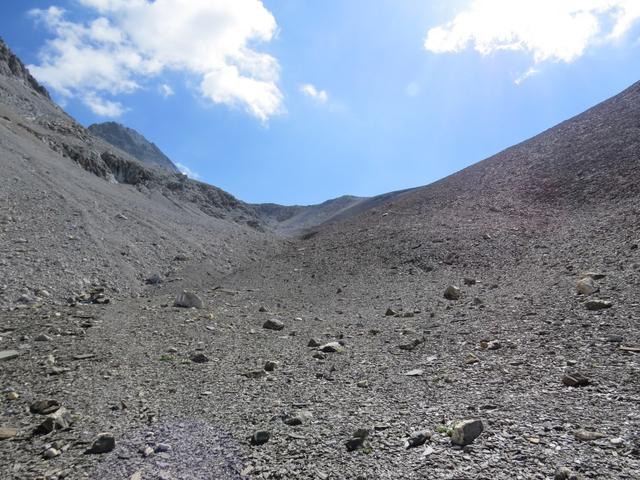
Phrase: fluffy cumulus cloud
x=320 y=96
x=549 y=30
x=129 y=41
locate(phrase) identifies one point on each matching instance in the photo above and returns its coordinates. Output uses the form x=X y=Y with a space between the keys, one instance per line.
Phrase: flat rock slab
x=7 y=433
x=8 y=354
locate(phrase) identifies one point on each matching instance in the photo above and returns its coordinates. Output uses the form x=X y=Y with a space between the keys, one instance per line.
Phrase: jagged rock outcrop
x=132 y=142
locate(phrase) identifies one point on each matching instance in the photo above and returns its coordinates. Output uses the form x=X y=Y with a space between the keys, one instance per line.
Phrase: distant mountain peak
x=135 y=144
x=11 y=66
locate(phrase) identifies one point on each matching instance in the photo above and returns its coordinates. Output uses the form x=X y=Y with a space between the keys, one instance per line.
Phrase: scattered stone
x=587 y=435
x=260 y=437
x=187 y=299
x=163 y=447
x=586 y=286
x=319 y=356
x=412 y=345
x=255 y=374
x=471 y=359
x=103 y=443
x=563 y=473
x=59 y=420
x=598 y=304
x=490 y=345
x=154 y=279
x=270 y=365
x=297 y=418
x=50 y=453
x=42 y=338
x=44 y=407
x=357 y=440
x=418 y=438
x=331 y=347
x=452 y=293
x=13 y=396
x=390 y=312
x=414 y=373
x=466 y=431
x=199 y=358
x=470 y=281
x=594 y=275
x=263 y=310
x=8 y=354
x=363 y=384
x=273 y=324
x=575 y=379
x=6 y=433
x=314 y=343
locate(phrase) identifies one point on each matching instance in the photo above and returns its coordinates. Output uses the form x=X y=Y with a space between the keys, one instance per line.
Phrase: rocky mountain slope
x=75 y=212
x=132 y=142
x=486 y=326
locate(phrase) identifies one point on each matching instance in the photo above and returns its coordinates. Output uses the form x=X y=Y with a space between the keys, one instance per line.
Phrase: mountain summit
x=134 y=143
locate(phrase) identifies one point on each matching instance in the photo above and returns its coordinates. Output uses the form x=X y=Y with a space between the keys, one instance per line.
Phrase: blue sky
x=298 y=101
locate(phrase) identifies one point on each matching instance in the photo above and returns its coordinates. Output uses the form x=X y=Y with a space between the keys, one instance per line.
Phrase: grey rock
x=452 y=293
x=44 y=407
x=50 y=453
x=418 y=438
x=199 y=358
x=273 y=324
x=103 y=443
x=598 y=304
x=588 y=435
x=314 y=343
x=260 y=437
x=8 y=354
x=187 y=299
x=154 y=279
x=7 y=432
x=575 y=379
x=466 y=431
x=331 y=347
x=357 y=439
x=586 y=286
x=270 y=365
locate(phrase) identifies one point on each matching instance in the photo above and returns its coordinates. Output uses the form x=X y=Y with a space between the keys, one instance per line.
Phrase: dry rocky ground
x=366 y=370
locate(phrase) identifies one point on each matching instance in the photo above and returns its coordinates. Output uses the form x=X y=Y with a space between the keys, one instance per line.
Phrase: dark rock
x=103 y=443
x=187 y=299
x=273 y=324
x=260 y=437
x=598 y=304
x=452 y=293
x=466 y=431
x=44 y=407
x=199 y=358
x=418 y=438
x=575 y=379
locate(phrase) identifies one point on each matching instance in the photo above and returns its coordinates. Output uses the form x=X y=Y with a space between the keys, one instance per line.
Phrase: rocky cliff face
x=10 y=65
x=132 y=142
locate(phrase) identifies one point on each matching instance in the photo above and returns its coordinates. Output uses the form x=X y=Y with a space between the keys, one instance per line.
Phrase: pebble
x=51 y=453
x=187 y=299
x=586 y=286
x=331 y=347
x=587 y=435
x=418 y=438
x=270 y=365
x=452 y=293
x=42 y=338
x=103 y=443
x=466 y=431
x=598 y=304
x=8 y=354
x=414 y=373
x=357 y=439
x=575 y=379
x=273 y=324
x=260 y=437
x=199 y=358
x=7 y=433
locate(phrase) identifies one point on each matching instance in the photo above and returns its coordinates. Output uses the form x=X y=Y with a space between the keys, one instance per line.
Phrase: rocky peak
x=132 y=142
x=11 y=66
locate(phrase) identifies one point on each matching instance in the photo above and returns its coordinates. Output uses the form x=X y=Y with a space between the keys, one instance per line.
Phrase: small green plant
x=166 y=358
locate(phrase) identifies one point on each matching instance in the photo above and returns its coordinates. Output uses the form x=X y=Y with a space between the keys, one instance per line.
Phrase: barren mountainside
x=133 y=143
x=486 y=326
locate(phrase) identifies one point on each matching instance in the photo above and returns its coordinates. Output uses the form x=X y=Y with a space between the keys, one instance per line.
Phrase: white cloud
x=166 y=90
x=320 y=96
x=549 y=30
x=188 y=172
x=130 y=41
x=103 y=107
